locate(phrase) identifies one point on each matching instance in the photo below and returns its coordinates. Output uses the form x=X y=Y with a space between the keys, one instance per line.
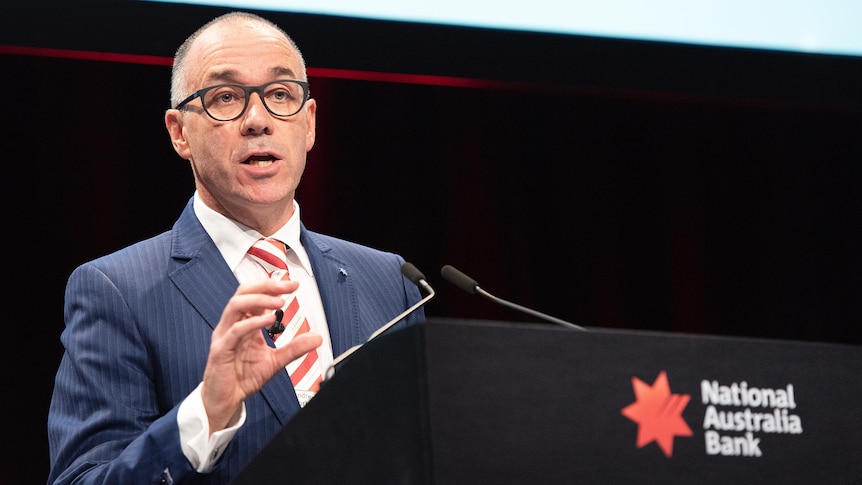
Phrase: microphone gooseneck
x=469 y=285
x=417 y=278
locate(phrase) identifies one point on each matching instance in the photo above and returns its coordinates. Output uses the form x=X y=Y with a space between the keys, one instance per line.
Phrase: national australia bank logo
x=658 y=413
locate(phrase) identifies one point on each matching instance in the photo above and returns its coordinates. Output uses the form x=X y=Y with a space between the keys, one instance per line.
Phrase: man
x=168 y=374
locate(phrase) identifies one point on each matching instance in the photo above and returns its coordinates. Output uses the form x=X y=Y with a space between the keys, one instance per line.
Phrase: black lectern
x=469 y=402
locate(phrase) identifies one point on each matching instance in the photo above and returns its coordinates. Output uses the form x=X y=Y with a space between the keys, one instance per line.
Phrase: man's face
x=254 y=162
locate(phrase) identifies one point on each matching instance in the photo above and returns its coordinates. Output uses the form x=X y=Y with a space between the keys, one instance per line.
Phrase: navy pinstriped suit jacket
x=138 y=327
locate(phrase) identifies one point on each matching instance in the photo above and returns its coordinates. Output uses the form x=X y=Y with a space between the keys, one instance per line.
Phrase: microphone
x=277 y=327
x=469 y=285
x=414 y=275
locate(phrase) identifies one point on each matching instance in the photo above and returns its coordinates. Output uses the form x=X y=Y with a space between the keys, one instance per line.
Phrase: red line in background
x=86 y=55
x=392 y=77
x=404 y=78
x=320 y=72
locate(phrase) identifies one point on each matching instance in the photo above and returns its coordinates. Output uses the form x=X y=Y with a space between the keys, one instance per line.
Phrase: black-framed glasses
x=227 y=102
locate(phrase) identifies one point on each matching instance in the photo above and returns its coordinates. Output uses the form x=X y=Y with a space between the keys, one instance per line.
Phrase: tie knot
x=269 y=253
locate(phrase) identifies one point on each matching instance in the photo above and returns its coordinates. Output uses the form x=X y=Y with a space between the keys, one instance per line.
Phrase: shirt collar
x=234 y=239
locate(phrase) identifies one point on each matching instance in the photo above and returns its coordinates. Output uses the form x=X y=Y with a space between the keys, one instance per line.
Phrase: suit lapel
x=337 y=292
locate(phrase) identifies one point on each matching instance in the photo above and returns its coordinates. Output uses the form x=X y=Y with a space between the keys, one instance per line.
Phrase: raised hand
x=240 y=361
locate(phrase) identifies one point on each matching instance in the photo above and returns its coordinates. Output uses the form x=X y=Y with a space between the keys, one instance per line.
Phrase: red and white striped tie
x=305 y=372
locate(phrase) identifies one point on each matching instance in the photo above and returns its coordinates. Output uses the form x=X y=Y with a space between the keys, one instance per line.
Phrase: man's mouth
x=259 y=160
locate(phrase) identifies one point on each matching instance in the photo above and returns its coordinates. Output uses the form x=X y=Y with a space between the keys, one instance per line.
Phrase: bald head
x=235 y=20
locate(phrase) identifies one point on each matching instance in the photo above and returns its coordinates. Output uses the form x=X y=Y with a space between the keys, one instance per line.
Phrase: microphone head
x=277 y=327
x=459 y=279
x=412 y=273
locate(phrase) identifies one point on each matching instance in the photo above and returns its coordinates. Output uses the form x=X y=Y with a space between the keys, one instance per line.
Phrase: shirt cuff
x=201 y=449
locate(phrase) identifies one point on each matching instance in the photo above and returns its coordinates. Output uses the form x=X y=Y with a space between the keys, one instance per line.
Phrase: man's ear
x=174 y=124
x=311 y=120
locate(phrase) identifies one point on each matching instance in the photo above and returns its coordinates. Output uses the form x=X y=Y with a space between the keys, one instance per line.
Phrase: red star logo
x=658 y=413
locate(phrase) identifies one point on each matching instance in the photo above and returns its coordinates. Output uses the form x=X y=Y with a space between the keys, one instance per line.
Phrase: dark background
x=622 y=184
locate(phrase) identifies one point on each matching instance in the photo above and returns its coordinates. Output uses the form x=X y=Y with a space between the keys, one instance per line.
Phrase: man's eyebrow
x=227 y=76
x=283 y=71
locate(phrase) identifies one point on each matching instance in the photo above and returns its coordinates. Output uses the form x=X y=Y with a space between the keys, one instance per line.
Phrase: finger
x=233 y=336
x=243 y=306
x=268 y=287
x=257 y=299
x=298 y=346
x=245 y=301
x=252 y=324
